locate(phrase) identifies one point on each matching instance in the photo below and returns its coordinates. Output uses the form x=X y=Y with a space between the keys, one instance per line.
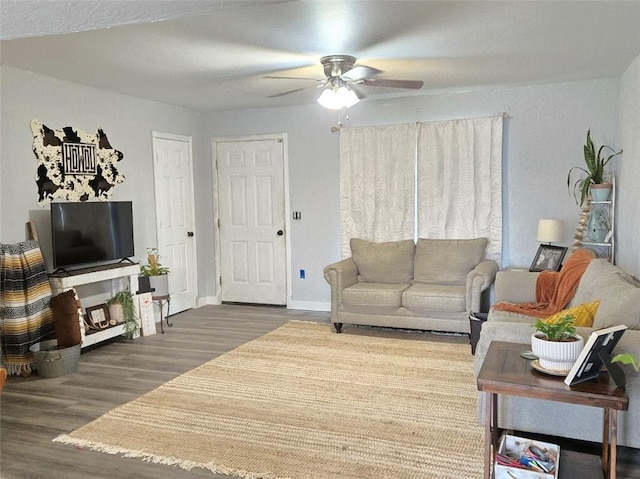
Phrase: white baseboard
x=309 y=305
x=302 y=305
x=207 y=300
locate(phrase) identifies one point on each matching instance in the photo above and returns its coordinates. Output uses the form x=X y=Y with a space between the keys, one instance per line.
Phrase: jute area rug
x=302 y=402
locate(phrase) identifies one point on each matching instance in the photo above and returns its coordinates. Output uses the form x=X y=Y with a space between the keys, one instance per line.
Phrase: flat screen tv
x=91 y=232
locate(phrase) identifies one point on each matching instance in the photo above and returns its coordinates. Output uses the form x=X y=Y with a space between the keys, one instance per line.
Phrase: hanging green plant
x=131 y=323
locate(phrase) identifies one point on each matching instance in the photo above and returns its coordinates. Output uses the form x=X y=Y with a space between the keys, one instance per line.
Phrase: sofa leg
x=338 y=327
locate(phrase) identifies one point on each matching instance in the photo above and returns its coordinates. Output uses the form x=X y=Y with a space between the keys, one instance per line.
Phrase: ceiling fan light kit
x=336 y=98
x=341 y=72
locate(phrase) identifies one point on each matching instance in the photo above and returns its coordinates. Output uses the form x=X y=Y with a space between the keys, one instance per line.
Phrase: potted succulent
x=123 y=310
x=594 y=177
x=556 y=343
x=158 y=274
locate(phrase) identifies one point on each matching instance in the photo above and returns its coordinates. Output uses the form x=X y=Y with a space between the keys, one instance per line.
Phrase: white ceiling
x=212 y=55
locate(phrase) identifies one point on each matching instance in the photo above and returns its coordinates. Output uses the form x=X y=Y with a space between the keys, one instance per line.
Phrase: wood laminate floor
x=34 y=410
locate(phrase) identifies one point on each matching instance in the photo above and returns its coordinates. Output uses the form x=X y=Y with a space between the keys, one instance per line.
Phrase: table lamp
x=550 y=231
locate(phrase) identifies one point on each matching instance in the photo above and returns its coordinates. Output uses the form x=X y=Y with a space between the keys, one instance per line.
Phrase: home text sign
x=79 y=159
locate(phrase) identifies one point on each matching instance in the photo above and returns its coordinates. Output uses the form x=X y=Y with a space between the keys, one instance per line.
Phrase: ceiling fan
x=343 y=77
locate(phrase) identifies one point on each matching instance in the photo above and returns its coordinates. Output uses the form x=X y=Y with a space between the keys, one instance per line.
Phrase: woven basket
x=51 y=362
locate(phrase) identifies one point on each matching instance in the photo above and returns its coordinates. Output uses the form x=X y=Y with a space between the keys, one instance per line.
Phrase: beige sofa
x=431 y=285
x=619 y=297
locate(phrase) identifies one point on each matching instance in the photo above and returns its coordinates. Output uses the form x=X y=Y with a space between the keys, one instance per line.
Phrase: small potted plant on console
x=556 y=344
x=158 y=274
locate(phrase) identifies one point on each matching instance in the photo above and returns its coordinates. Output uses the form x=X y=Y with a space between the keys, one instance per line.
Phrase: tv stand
x=63 y=272
x=61 y=282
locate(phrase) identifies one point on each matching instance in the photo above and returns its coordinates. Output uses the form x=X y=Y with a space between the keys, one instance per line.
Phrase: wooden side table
x=504 y=371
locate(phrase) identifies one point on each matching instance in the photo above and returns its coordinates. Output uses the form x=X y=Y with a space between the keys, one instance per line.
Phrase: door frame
x=283 y=139
x=189 y=141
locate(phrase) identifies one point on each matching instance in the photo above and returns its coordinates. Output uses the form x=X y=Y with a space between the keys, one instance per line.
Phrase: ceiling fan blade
x=358 y=91
x=292 y=78
x=412 y=84
x=287 y=92
x=360 y=72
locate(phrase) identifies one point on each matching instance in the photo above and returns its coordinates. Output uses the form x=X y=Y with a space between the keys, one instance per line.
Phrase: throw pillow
x=583 y=314
x=390 y=262
x=447 y=261
x=622 y=307
x=65 y=319
x=599 y=273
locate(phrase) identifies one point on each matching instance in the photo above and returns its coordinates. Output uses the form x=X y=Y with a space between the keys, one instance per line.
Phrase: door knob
x=190 y=234
x=280 y=233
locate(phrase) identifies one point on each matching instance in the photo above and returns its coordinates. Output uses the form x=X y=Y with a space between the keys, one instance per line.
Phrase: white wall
x=543 y=139
x=128 y=123
x=628 y=224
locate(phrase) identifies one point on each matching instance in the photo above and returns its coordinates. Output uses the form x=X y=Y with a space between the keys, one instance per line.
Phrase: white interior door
x=175 y=217
x=252 y=221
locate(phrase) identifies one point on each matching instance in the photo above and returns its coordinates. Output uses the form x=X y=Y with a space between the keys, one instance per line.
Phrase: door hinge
x=218 y=223
x=220 y=278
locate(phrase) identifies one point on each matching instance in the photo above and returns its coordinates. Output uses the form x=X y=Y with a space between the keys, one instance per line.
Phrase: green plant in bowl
x=561 y=330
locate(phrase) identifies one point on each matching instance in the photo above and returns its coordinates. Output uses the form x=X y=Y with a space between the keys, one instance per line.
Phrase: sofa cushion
x=374 y=294
x=621 y=307
x=390 y=262
x=439 y=297
x=583 y=314
x=499 y=316
x=598 y=275
x=447 y=261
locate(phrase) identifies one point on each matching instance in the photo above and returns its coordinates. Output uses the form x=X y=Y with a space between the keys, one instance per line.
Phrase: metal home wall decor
x=74 y=165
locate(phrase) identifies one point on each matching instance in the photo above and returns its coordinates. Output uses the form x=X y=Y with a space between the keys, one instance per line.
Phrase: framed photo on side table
x=548 y=258
x=595 y=354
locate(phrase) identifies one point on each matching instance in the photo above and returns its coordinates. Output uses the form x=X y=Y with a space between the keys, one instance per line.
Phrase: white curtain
x=460 y=181
x=377 y=183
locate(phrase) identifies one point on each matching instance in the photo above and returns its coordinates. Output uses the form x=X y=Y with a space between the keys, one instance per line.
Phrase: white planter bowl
x=557 y=356
x=160 y=284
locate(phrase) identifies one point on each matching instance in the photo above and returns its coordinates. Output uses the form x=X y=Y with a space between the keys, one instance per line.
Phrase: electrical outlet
x=302 y=274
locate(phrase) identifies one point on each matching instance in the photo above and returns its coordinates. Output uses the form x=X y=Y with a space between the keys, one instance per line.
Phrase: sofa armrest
x=516 y=286
x=479 y=279
x=340 y=275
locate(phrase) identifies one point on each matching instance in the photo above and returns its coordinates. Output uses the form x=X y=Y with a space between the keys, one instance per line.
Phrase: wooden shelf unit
x=61 y=282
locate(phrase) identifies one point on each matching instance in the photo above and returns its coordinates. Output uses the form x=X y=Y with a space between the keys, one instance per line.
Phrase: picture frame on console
x=548 y=258
x=98 y=316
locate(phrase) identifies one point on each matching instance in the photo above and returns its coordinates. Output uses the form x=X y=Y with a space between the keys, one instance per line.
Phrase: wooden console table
x=504 y=371
x=61 y=282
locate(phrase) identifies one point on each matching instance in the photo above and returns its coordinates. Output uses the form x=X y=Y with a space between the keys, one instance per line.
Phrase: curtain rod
x=504 y=115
